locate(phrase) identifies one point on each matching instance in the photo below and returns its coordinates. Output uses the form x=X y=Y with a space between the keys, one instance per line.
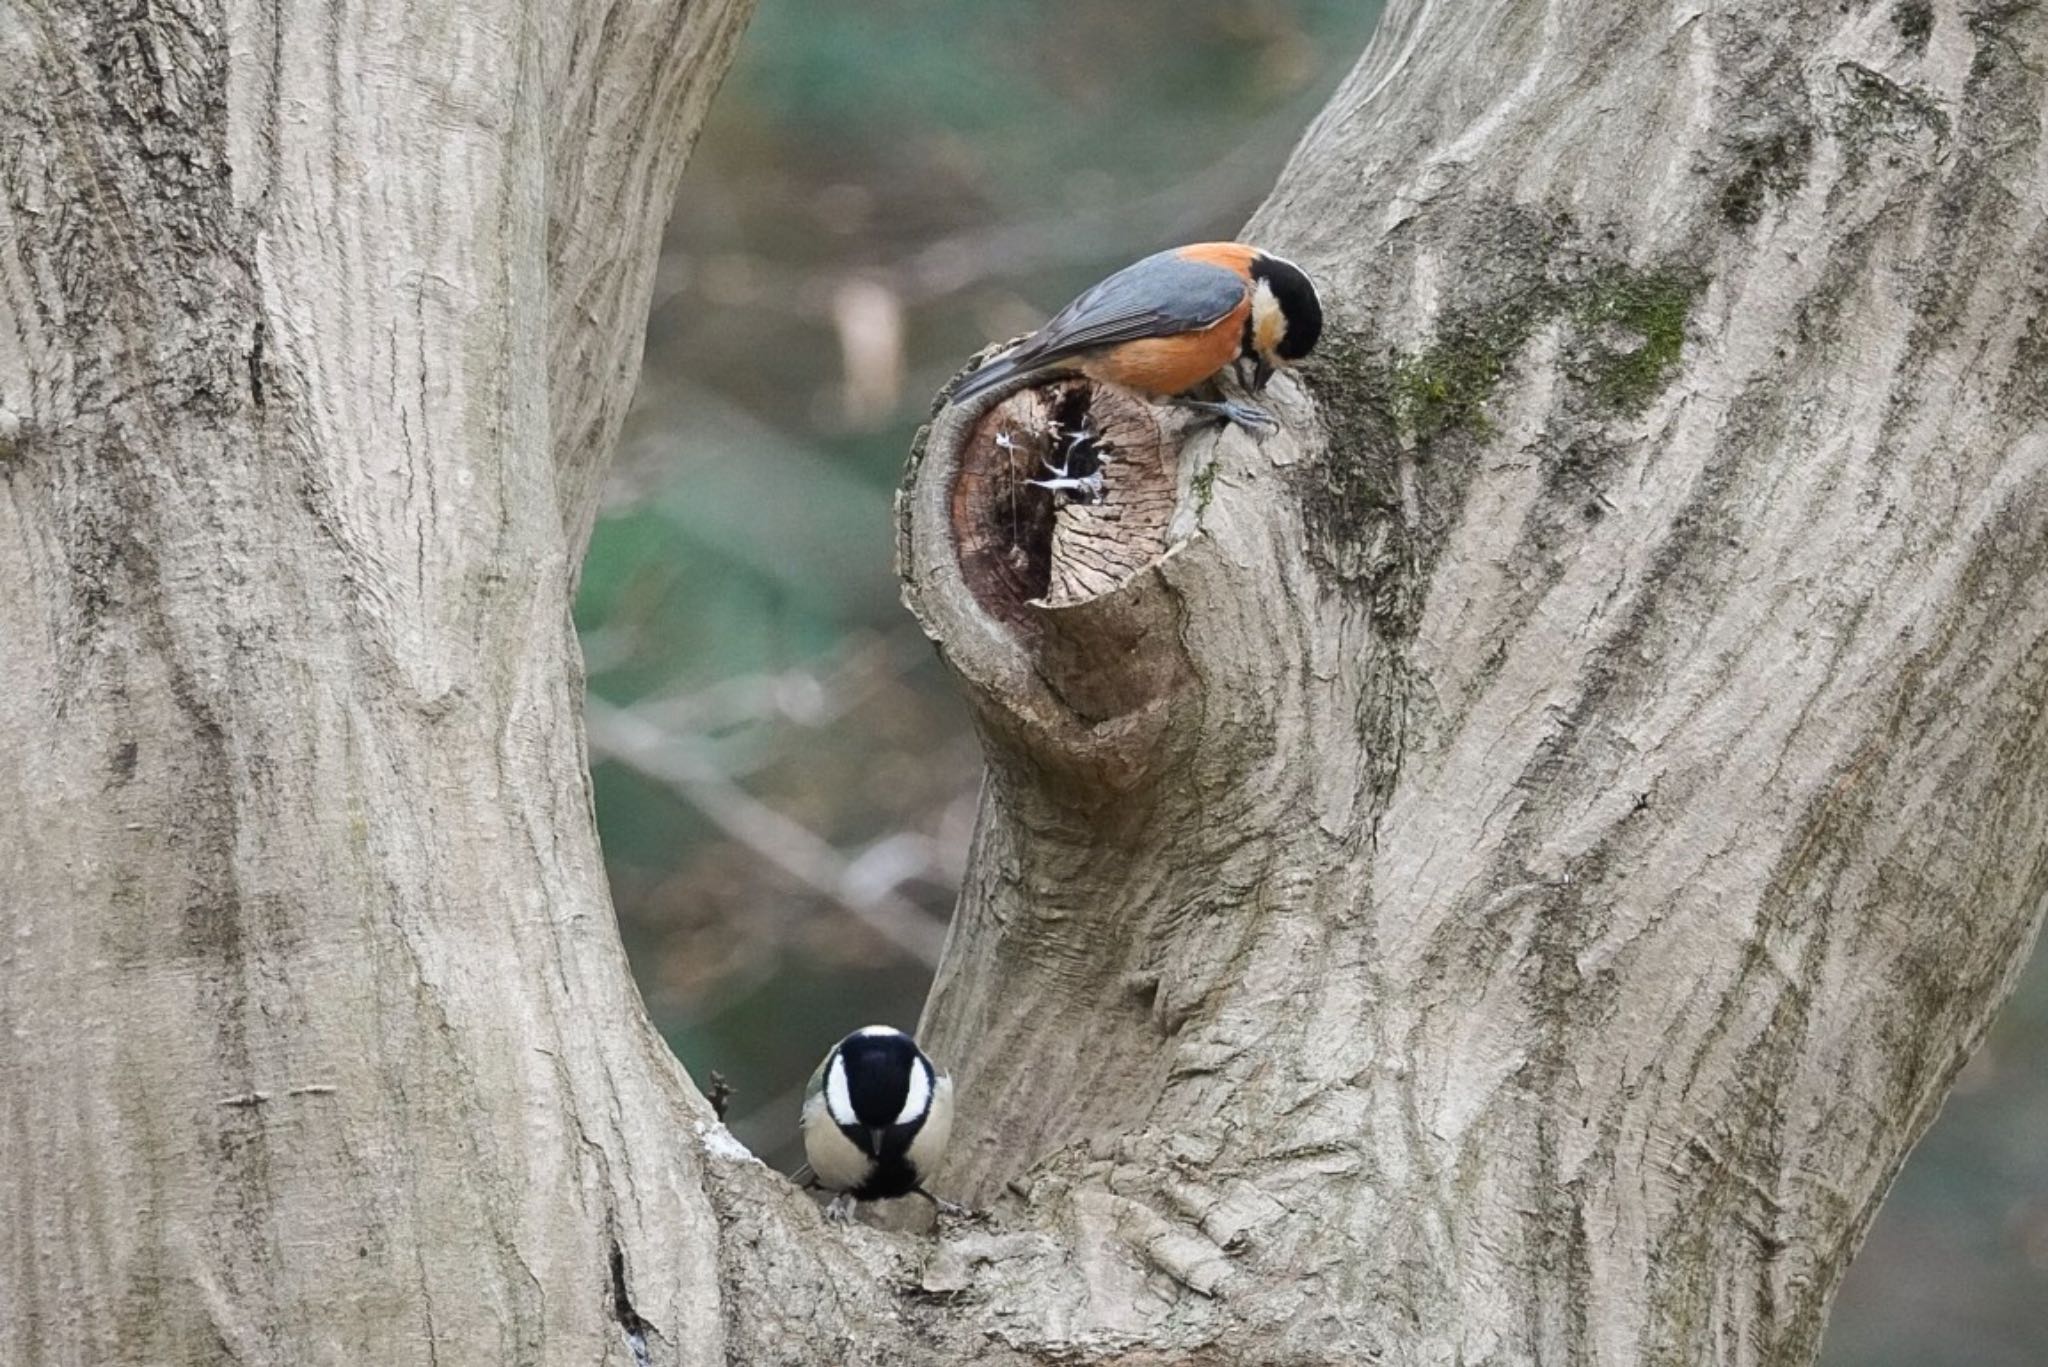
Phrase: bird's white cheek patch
x=1269 y=324
x=838 y=1101
x=917 y=1096
x=838 y=1164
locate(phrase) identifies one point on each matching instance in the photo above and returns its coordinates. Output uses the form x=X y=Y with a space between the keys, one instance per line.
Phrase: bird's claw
x=1250 y=417
x=942 y=1205
x=839 y=1209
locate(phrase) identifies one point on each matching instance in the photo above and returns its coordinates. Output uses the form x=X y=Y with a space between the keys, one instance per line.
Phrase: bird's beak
x=875 y=1141
x=1262 y=371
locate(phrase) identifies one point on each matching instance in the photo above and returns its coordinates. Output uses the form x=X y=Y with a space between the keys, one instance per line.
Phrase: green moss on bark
x=1205 y=487
x=1626 y=333
x=1410 y=422
x=1635 y=335
x=1444 y=387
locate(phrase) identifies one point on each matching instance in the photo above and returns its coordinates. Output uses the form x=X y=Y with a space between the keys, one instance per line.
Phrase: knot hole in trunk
x=1061 y=493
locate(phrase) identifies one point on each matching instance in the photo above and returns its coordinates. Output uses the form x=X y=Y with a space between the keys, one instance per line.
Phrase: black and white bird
x=876 y=1118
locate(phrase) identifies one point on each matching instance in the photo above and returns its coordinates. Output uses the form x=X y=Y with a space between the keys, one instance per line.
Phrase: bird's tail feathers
x=993 y=372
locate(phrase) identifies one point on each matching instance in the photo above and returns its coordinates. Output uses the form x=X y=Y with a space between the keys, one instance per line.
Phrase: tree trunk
x=1500 y=872
x=1513 y=880
x=316 y=331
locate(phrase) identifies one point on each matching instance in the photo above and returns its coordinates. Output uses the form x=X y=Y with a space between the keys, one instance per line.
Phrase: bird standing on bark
x=1172 y=323
x=876 y=1118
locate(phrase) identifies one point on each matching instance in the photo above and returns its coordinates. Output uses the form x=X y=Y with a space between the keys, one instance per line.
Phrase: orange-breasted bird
x=1171 y=323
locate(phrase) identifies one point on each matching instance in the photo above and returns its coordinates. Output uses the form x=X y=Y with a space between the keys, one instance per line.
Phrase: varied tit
x=1172 y=323
x=875 y=1121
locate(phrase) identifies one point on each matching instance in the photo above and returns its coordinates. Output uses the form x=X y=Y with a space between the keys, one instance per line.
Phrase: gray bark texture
x=1510 y=884
x=317 y=326
x=1498 y=873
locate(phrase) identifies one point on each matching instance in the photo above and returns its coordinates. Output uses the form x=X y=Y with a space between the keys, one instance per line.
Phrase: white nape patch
x=719 y=1142
x=918 y=1095
x=872 y=1030
x=839 y=1101
x=1269 y=323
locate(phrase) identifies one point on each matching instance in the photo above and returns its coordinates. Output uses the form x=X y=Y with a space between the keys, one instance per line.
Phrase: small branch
x=719 y=1094
x=616 y=733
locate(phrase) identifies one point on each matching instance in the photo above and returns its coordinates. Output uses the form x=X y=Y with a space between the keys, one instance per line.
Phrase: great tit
x=875 y=1120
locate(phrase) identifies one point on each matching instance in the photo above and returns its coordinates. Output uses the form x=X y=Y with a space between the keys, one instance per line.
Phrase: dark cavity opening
x=1060 y=492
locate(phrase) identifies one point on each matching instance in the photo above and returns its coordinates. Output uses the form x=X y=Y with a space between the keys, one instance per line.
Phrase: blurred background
x=785 y=781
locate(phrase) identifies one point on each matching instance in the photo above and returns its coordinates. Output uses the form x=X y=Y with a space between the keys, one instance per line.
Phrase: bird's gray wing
x=816 y=1086
x=1157 y=297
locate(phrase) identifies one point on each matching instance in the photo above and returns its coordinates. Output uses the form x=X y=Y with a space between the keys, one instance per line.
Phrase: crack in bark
x=637 y=1330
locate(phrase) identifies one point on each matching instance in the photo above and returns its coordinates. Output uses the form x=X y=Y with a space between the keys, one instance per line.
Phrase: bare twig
x=719 y=1094
x=616 y=733
x=805 y=696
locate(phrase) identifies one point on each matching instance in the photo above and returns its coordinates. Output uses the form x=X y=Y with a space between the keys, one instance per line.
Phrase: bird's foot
x=839 y=1209
x=942 y=1205
x=1250 y=417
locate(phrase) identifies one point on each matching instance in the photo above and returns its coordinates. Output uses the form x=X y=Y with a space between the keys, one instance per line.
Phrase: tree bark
x=1507 y=882
x=316 y=331
x=1511 y=883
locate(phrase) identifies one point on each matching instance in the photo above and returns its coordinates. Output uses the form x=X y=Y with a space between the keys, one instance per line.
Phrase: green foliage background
x=964 y=168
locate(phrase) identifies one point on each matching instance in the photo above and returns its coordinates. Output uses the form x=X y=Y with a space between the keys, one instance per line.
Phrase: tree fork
x=1499 y=872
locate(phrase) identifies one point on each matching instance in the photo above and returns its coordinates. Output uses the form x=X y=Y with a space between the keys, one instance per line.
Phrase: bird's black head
x=1300 y=309
x=887 y=1087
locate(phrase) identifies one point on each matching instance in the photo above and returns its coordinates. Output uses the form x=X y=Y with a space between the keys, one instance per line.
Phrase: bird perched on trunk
x=876 y=1118
x=1172 y=323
